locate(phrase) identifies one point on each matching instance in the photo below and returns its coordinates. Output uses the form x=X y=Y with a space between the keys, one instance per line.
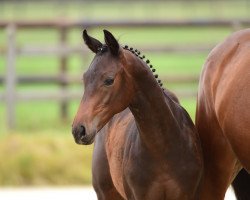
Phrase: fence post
x=236 y=25
x=63 y=72
x=11 y=78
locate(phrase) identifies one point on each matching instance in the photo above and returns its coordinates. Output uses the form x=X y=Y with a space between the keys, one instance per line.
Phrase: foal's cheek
x=105 y=99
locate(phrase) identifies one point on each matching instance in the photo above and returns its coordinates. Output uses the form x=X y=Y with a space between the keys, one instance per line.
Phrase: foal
x=146 y=146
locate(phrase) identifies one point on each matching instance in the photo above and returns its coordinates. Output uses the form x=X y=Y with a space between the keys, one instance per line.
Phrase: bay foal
x=146 y=146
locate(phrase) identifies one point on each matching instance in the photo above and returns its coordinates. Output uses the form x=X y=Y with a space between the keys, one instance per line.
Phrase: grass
x=130 y=9
x=41 y=149
x=42 y=158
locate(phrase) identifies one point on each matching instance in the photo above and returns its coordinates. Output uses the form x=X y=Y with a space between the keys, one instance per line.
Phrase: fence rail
x=62 y=50
x=66 y=50
x=126 y=23
x=71 y=79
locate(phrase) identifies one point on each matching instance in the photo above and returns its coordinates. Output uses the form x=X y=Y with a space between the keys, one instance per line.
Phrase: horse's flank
x=223 y=114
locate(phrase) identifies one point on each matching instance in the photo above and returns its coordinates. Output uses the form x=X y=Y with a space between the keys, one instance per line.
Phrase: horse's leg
x=241 y=185
x=238 y=133
x=102 y=181
x=220 y=163
x=218 y=174
x=237 y=130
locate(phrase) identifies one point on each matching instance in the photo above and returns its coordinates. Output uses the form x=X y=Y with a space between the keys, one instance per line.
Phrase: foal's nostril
x=82 y=131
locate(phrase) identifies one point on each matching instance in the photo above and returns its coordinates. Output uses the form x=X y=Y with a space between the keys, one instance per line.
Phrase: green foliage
x=43 y=158
x=100 y=10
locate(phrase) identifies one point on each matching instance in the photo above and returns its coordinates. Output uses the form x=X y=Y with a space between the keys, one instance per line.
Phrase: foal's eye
x=109 y=81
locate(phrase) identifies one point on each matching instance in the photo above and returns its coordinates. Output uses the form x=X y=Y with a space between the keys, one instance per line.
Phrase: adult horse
x=150 y=149
x=223 y=117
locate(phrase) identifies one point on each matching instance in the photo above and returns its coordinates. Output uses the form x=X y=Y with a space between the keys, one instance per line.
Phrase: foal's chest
x=136 y=174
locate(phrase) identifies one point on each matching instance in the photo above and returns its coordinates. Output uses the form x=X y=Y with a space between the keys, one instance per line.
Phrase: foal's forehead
x=101 y=63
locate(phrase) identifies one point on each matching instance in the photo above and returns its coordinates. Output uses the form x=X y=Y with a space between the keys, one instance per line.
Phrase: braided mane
x=166 y=92
x=138 y=54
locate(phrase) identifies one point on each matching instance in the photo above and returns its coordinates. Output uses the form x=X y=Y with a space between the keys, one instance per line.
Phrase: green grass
x=134 y=36
x=43 y=158
x=89 y=10
x=41 y=149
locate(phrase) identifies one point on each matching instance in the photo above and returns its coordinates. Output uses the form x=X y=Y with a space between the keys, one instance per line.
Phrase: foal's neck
x=153 y=110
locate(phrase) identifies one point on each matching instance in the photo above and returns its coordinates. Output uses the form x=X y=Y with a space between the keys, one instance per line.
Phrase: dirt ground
x=62 y=193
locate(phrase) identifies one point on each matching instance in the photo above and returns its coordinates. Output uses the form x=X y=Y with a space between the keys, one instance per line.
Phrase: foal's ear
x=92 y=43
x=111 y=42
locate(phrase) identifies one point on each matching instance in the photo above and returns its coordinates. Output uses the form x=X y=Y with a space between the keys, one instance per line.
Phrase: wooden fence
x=63 y=51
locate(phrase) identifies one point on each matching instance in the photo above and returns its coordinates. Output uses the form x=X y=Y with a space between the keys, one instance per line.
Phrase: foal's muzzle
x=80 y=136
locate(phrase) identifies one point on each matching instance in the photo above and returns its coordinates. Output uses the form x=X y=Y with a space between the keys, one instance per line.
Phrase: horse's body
x=150 y=149
x=160 y=171
x=223 y=114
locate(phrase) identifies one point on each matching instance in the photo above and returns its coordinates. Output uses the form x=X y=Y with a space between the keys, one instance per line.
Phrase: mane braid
x=138 y=54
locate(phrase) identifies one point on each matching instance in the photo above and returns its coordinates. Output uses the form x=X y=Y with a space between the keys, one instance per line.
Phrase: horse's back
x=224 y=97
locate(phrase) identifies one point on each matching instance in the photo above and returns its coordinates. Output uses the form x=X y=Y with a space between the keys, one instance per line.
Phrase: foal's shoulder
x=180 y=113
x=171 y=95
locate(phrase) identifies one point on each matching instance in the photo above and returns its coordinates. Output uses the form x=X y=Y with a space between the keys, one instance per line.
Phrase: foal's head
x=108 y=87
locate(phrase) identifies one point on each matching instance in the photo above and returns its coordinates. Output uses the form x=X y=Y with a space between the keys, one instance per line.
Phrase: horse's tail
x=241 y=185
